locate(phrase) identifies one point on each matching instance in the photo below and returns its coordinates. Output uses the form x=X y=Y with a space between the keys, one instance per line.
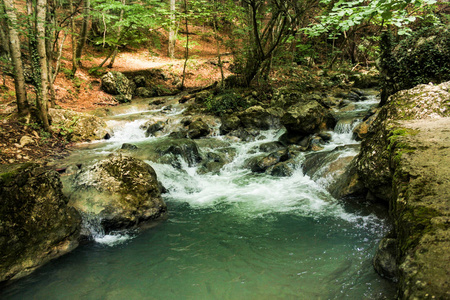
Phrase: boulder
x=76 y=126
x=256 y=117
x=36 y=224
x=170 y=150
x=282 y=169
x=122 y=192
x=229 y=123
x=151 y=127
x=198 y=129
x=420 y=208
x=127 y=146
x=116 y=83
x=307 y=118
x=365 y=81
x=145 y=92
x=362 y=129
x=261 y=163
x=384 y=261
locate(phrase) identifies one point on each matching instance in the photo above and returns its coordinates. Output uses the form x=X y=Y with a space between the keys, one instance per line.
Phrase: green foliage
x=418 y=59
x=222 y=103
x=137 y=19
x=344 y=15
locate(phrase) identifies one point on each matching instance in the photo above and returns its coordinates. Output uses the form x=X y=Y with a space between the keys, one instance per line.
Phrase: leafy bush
x=418 y=59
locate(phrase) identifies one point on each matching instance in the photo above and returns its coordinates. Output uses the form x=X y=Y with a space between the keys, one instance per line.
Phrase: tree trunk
x=4 y=46
x=51 y=35
x=73 y=39
x=172 y=35
x=186 y=50
x=84 y=32
x=14 y=46
x=119 y=34
x=42 y=87
x=219 y=55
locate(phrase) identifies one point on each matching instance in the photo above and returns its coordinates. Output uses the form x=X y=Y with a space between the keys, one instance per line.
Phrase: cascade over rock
x=36 y=224
x=121 y=191
x=78 y=126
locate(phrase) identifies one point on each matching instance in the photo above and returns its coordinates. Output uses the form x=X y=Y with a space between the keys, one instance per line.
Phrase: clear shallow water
x=219 y=252
x=235 y=235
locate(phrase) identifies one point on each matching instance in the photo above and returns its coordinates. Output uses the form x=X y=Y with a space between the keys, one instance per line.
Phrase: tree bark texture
x=15 y=50
x=42 y=88
x=172 y=34
x=84 y=31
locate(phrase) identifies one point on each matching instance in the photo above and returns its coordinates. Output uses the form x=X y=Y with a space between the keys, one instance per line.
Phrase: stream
x=231 y=234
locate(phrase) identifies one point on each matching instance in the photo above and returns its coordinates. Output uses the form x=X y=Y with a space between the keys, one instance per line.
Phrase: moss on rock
x=36 y=224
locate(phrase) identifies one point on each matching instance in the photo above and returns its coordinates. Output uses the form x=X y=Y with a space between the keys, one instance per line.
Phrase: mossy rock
x=36 y=224
x=121 y=191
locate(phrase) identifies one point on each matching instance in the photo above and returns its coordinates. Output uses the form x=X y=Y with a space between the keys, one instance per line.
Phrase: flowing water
x=231 y=235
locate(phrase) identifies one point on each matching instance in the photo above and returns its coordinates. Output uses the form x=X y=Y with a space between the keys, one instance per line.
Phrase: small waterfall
x=345 y=126
x=93 y=224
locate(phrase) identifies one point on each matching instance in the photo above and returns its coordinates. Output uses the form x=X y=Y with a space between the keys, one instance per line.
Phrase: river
x=231 y=234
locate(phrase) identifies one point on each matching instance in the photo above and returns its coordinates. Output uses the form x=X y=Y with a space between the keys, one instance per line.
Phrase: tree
x=43 y=83
x=345 y=20
x=84 y=31
x=15 y=50
x=271 y=23
x=172 y=30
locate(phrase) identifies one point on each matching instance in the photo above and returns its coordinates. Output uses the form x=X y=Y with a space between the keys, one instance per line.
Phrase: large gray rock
x=256 y=117
x=198 y=129
x=171 y=150
x=36 y=224
x=76 y=126
x=121 y=191
x=115 y=83
x=306 y=118
x=404 y=160
x=420 y=208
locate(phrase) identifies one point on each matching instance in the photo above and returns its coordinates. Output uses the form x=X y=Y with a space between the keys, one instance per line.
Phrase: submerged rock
x=151 y=127
x=384 y=261
x=36 y=224
x=120 y=191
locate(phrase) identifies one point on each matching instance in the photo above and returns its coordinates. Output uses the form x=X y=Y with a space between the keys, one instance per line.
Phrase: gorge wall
x=405 y=160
